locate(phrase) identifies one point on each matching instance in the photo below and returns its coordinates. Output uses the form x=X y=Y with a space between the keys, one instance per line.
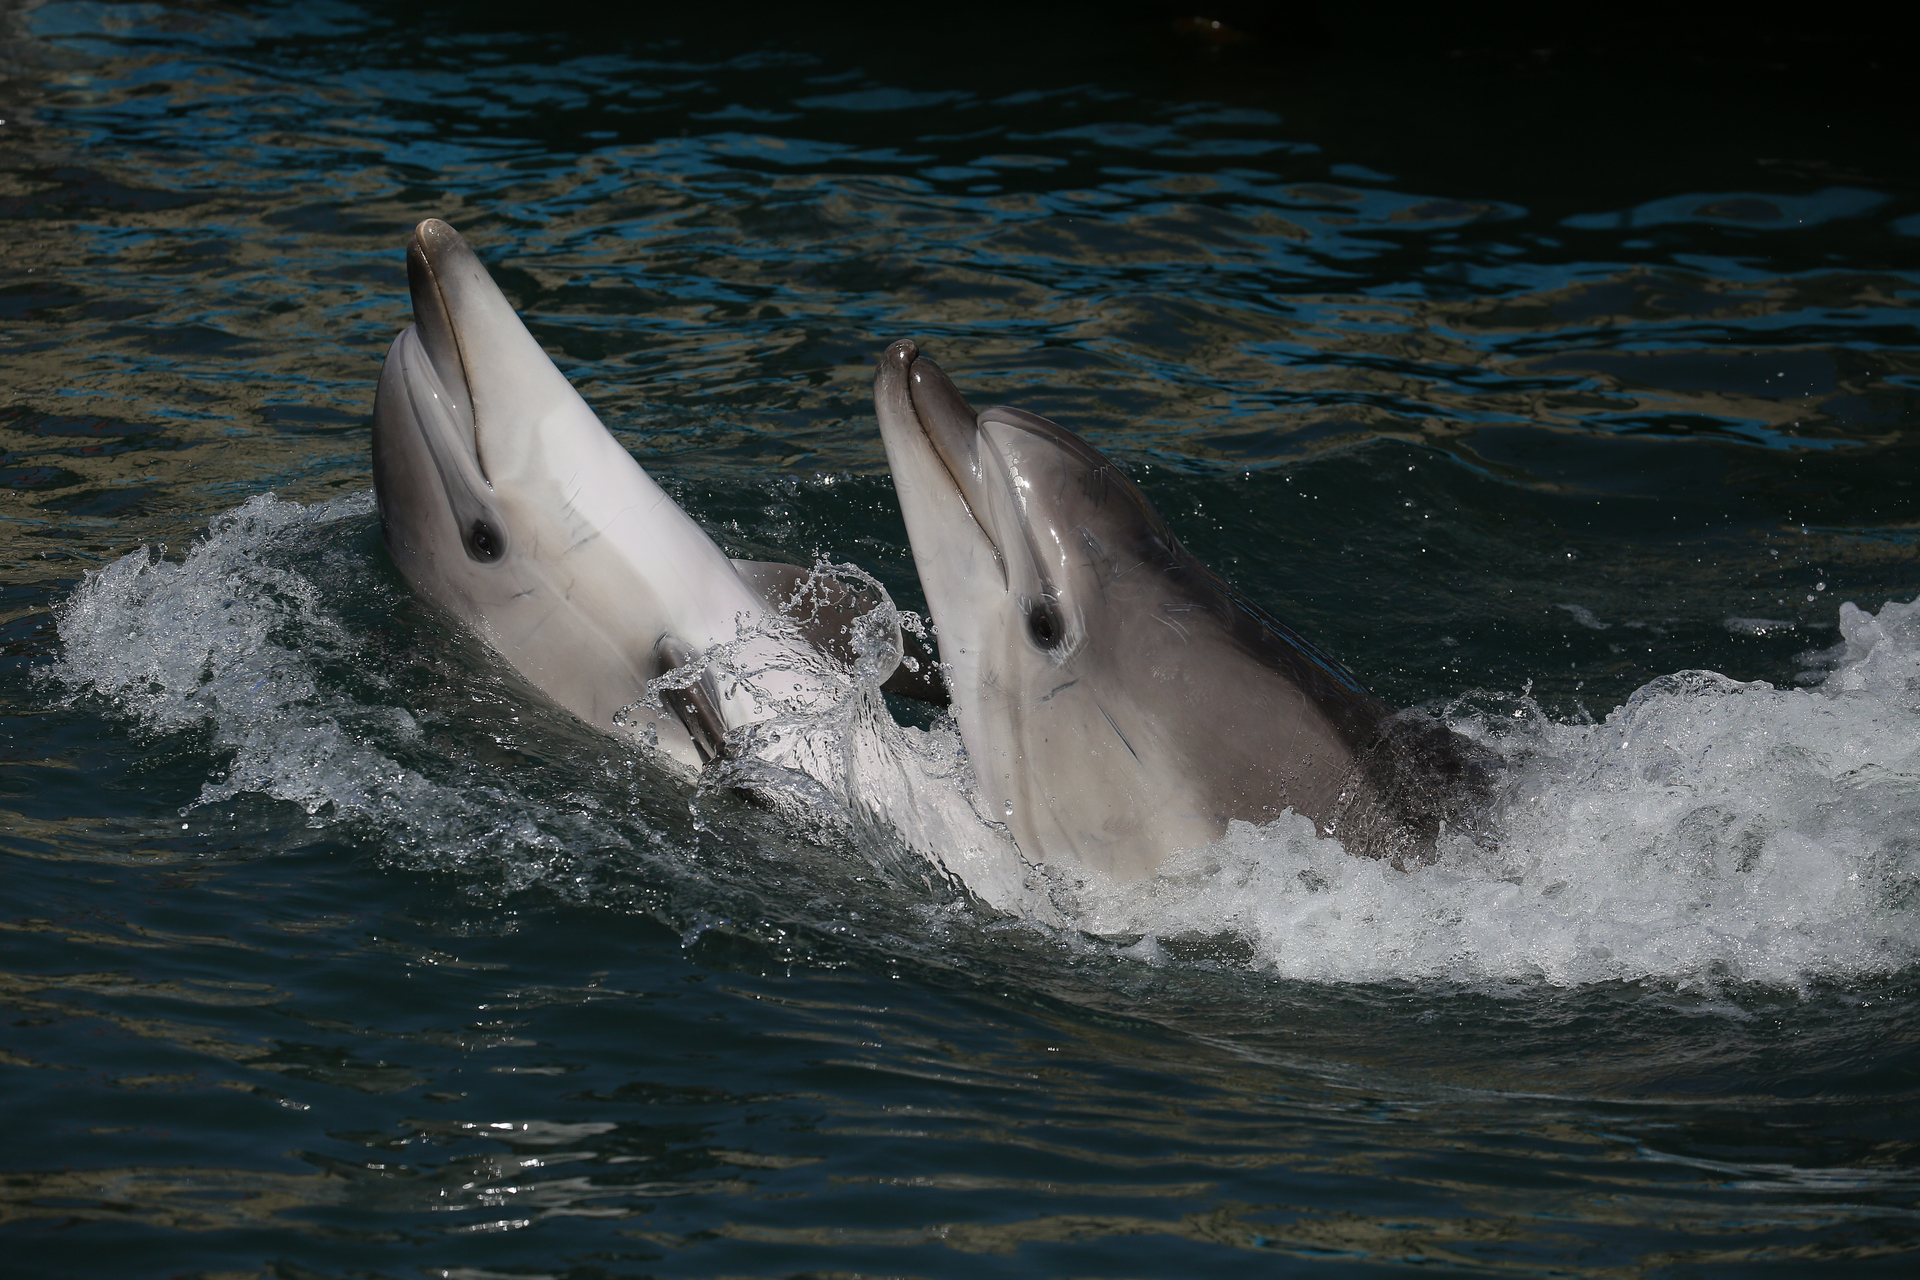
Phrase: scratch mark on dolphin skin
x=1178 y=629
x=533 y=632
x=621 y=514
x=1096 y=551
x=1116 y=733
x=1048 y=696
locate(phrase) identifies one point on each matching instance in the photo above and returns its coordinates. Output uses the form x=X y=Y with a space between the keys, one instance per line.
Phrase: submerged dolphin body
x=1119 y=701
x=503 y=499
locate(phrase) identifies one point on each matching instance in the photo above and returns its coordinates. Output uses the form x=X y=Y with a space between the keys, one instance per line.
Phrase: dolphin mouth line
x=947 y=464
x=438 y=332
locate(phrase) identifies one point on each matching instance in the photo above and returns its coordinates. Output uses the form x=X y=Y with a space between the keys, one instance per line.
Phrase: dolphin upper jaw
x=527 y=418
x=930 y=455
x=924 y=412
x=946 y=486
x=960 y=473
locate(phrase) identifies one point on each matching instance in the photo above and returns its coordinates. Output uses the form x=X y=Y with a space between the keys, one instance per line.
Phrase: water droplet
x=1009 y=808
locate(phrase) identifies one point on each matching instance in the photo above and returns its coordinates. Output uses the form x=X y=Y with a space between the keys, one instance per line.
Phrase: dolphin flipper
x=696 y=707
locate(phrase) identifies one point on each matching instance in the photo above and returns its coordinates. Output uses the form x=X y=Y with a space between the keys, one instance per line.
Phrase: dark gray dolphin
x=1119 y=701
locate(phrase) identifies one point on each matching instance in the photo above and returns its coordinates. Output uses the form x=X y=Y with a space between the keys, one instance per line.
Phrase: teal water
x=1522 y=378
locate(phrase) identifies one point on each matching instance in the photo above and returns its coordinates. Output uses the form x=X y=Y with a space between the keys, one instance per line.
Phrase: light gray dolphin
x=1120 y=702
x=504 y=500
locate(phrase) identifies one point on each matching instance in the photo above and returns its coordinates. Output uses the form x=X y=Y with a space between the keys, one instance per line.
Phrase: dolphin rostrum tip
x=431 y=232
x=891 y=371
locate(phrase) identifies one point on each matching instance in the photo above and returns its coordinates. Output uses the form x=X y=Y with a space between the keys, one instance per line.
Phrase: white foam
x=1707 y=831
x=230 y=640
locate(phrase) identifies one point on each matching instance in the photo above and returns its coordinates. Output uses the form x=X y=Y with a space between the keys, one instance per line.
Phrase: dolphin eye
x=484 y=543
x=1043 y=623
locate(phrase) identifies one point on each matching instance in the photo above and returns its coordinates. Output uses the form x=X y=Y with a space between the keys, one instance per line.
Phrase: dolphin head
x=437 y=504
x=1024 y=525
x=472 y=422
x=503 y=499
x=1119 y=702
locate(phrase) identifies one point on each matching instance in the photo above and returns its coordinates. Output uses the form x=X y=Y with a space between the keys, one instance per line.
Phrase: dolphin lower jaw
x=423 y=407
x=426 y=484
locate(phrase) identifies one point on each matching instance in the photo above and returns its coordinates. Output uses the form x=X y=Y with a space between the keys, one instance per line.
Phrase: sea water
x=1559 y=377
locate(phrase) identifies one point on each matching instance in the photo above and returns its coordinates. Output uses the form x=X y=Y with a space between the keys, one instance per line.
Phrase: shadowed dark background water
x=1493 y=355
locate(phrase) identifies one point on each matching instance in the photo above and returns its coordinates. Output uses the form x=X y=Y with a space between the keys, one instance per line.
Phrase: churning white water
x=232 y=640
x=1707 y=830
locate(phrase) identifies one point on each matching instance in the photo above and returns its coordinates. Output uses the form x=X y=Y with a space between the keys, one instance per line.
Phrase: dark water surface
x=1502 y=371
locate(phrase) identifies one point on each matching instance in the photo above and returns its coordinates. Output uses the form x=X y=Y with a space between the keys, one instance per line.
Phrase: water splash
x=237 y=640
x=1707 y=830
x=832 y=755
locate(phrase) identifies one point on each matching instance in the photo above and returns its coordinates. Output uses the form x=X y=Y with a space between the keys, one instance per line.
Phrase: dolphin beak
x=921 y=412
x=434 y=249
x=502 y=381
x=426 y=456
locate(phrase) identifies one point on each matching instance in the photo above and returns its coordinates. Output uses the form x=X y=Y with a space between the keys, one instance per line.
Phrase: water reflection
x=716 y=294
